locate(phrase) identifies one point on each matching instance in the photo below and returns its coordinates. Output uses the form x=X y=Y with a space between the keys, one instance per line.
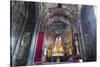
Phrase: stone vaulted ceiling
x=53 y=14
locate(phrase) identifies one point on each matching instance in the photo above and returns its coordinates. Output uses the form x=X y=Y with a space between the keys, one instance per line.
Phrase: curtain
x=38 y=53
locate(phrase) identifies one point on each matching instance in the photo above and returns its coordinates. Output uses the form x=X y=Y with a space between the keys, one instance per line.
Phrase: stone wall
x=88 y=22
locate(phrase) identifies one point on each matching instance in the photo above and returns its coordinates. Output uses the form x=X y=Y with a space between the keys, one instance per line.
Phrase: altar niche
x=59 y=30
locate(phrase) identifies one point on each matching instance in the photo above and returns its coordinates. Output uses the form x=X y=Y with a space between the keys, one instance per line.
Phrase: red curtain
x=38 y=52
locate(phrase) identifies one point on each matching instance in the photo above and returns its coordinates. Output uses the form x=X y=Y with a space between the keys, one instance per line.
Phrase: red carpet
x=38 y=52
